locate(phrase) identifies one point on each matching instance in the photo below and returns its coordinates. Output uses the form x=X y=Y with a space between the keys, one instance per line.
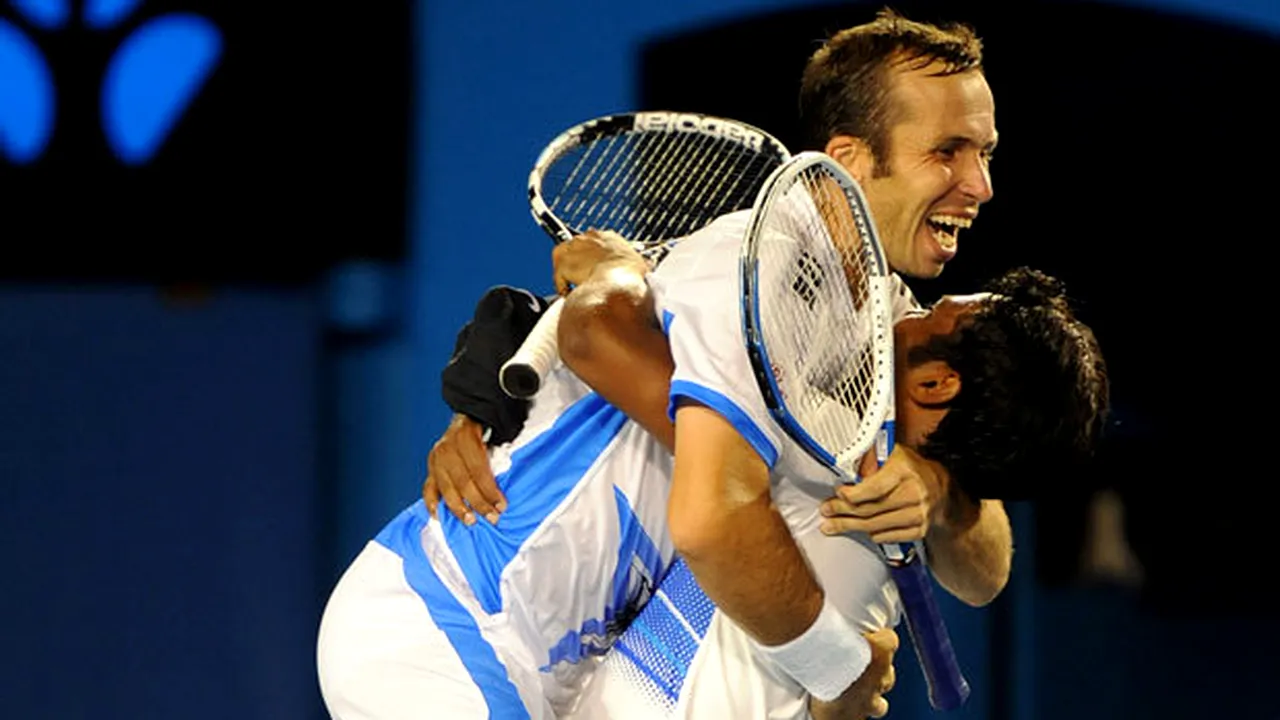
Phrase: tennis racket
x=817 y=317
x=652 y=177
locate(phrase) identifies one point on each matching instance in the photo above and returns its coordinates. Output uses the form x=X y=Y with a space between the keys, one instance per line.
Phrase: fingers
x=879 y=706
x=876 y=486
x=430 y=492
x=890 y=679
x=880 y=672
x=453 y=501
x=447 y=467
x=478 y=486
x=573 y=260
x=576 y=258
x=891 y=493
x=891 y=505
x=458 y=473
x=902 y=525
x=884 y=643
x=558 y=268
x=869 y=464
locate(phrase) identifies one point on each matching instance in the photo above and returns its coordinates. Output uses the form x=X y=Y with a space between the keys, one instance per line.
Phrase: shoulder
x=903 y=302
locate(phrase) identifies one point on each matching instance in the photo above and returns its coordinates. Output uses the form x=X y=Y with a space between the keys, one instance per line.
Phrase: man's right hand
x=458 y=470
x=575 y=259
x=865 y=697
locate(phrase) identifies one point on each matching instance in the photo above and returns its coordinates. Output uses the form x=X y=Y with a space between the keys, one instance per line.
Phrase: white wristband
x=826 y=658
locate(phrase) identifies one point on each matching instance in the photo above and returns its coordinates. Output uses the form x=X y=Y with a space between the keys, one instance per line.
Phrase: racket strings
x=818 y=327
x=712 y=162
x=667 y=171
x=650 y=186
x=687 y=190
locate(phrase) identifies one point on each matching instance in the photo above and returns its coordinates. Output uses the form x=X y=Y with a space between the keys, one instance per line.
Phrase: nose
x=975 y=182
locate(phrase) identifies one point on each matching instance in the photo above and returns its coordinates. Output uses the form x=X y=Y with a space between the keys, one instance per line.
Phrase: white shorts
x=403 y=647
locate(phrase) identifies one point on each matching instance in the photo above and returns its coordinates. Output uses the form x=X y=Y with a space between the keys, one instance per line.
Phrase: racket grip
x=522 y=375
x=947 y=687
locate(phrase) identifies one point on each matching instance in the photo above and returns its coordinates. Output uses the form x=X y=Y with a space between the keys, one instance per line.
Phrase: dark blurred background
x=236 y=241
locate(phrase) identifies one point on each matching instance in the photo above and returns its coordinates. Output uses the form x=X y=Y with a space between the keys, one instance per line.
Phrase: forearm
x=971 y=550
x=758 y=578
x=724 y=524
x=609 y=338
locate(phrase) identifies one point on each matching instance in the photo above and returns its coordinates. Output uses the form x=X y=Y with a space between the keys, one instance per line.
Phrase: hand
x=576 y=258
x=895 y=503
x=865 y=697
x=458 y=469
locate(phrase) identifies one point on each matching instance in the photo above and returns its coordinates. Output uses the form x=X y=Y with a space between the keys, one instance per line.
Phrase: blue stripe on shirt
x=633 y=542
x=638 y=569
x=659 y=643
x=403 y=536
x=541 y=475
x=741 y=421
x=667 y=318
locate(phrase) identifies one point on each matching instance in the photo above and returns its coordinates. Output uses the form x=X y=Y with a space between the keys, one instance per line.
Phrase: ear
x=932 y=384
x=854 y=154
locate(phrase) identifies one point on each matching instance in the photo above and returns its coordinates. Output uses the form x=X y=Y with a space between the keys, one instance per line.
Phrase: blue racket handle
x=947 y=687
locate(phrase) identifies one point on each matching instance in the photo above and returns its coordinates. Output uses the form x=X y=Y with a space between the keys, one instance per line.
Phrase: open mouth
x=946 y=229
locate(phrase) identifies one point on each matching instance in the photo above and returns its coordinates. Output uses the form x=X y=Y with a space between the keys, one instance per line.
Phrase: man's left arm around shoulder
x=970 y=543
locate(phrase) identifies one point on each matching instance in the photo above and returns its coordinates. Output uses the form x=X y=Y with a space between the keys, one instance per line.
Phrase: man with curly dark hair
x=1035 y=388
x=992 y=389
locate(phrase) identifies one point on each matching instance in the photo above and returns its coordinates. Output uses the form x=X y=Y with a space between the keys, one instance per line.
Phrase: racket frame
x=948 y=688
x=521 y=376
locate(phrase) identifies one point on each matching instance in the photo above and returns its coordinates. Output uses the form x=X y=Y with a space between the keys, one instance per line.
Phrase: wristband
x=826 y=658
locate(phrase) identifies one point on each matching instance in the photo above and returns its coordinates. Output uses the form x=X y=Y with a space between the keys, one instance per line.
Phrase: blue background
x=182 y=478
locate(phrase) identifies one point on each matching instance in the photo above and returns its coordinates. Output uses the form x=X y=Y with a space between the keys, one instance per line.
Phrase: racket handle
x=947 y=687
x=522 y=375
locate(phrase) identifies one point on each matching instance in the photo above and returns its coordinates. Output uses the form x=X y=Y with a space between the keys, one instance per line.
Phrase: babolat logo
x=692 y=122
x=148 y=82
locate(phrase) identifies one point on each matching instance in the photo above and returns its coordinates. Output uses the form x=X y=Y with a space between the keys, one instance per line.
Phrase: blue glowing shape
x=151 y=80
x=26 y=97
x=104 y=14
x=44 y=14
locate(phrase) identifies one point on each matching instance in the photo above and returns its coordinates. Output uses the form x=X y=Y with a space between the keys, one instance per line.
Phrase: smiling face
x=937 y=170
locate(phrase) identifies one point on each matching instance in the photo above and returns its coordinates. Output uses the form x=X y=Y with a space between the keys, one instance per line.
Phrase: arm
x=608 y=324
x=971 y=549
x=720 y=489
x=970 y=545
x=458 y=464
x=723 y=522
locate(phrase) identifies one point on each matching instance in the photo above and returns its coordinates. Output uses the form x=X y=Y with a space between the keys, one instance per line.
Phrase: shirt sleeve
x=904 y=301
x=697 y=298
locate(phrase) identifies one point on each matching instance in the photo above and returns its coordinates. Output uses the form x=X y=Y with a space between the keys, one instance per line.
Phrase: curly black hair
x=1034 y=393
